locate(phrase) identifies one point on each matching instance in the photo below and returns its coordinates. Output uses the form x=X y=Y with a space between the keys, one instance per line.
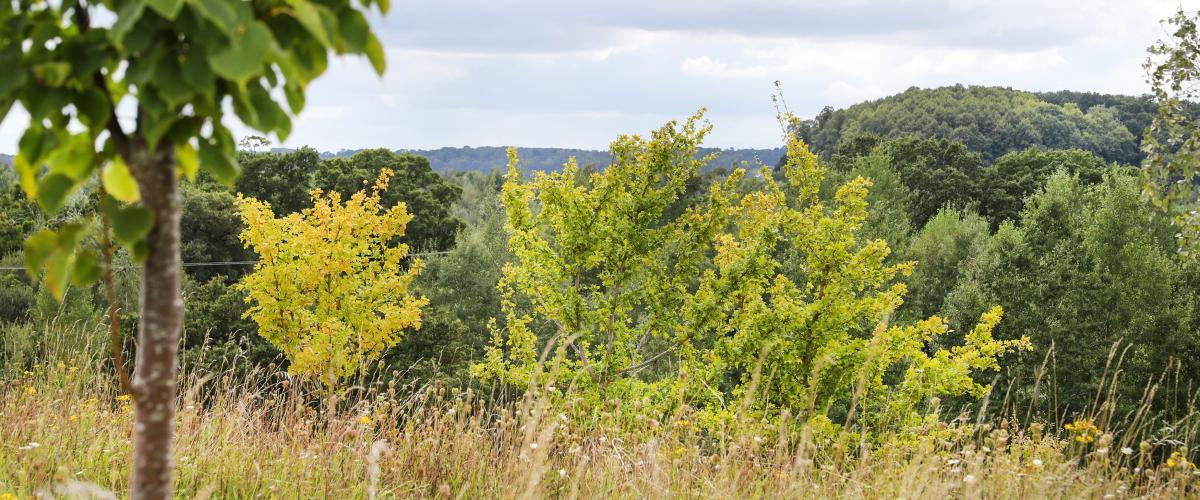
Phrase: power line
x=223 y=263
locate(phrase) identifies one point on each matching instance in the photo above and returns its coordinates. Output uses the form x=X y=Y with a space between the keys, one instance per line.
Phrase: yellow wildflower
x=365 y=420
x=1085 y=431
x=1178 y=460
x=124 y=398
x=31 y=391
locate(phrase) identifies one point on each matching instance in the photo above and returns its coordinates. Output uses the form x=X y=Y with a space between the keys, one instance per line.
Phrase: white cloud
x=577 y=73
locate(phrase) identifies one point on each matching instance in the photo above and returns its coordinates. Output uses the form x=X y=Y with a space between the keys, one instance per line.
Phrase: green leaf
x=294 y=92
x=53 y=74
x=119 y=182
x=127 y=16
x=131 y=223
x=166 y=8
x=58 y=273
x=197 y=72
x=228 y=16
x=76 y=158
x=354 y=30
x=86 y=270
x=52 y=192
x=139 y=252
x=15 y=77
x=245 y=54
x=189 y=161
x=375 y=54
x=93 y=108
x=219 y=162
x=38 y=247
x=168 y=78
x=309 y=16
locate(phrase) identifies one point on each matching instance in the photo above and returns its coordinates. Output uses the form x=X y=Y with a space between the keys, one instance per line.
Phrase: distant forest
x=991 y=121
x=489 y=158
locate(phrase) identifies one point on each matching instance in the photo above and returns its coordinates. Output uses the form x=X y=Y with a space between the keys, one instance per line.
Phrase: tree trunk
x=159 y=328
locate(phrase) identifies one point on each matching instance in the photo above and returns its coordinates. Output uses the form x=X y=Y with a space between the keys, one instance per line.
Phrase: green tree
x=178 y=65
x=940 y=251
x=423 y=191
x=462 y=293
x=1084 y=271
x=939 y=172
x=209 y=228
x=1005 y=184
x=281 y=179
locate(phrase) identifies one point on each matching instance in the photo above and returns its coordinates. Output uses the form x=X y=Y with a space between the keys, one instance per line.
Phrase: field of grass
x=64 y=429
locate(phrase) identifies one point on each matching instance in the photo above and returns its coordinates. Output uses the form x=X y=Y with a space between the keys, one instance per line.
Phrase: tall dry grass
x=64 y=428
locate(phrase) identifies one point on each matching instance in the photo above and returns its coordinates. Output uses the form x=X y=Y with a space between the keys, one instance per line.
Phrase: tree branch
x=638 y=367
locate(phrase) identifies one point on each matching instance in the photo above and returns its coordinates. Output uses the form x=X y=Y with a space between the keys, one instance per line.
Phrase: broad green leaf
x=131 y=223
x=228 y=16
x=28 y=174
x=127 y=16
x=216 y=160
x=197 y=72
x=38 y=247
x=53 y=74
x=245 y=54
x=52 y=192
x=86 y=270
x=76 y=158
x=139 y=252
x=58 y=272
x=309 y=15
x=354 y=30
x=169 y=9
x=294 y=92
x=270 y=115
x=189 y=161
x=375 y=54
x=93 y=108
x=69 y=235
x=168 y=78
x=15 y=77
x=119 y=182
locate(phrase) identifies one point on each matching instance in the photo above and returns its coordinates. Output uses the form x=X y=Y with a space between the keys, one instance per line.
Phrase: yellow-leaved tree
x=330 y=289
x=759 y=298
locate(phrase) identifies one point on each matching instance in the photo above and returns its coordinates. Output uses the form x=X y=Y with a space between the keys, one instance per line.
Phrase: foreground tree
x=171 y=67
x=1172 y=142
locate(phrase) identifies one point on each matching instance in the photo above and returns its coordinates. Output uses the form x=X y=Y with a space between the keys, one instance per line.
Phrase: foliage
x=1083 y=271
x=941 y=249
x=328 y=289
x=600 y=259
x=463 y=298
x=209 y=228
x=281 y=179
x=1172 y=142
x=1006 y=183
x=415 y=185
x=939 y=172
x=991 y=121
x=216 y=322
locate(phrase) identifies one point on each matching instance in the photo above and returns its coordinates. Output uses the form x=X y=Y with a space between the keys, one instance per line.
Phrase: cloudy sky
x=567 y=73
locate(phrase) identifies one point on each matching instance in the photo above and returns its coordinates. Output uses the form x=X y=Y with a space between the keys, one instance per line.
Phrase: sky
x=565 y=73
